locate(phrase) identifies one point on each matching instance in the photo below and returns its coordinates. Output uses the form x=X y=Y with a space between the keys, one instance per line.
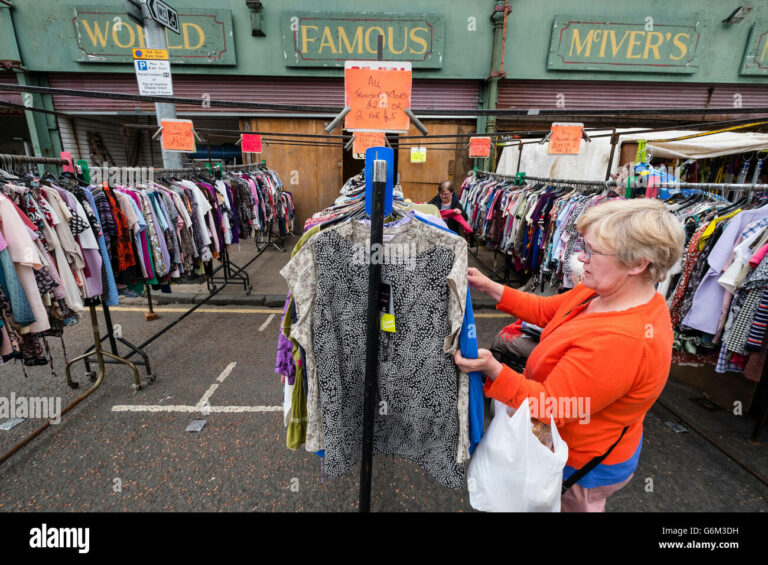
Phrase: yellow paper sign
x=418 y=154
x=388 y=323
x=151 y=54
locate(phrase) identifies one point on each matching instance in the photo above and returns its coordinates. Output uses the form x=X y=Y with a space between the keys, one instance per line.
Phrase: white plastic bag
x=511 y=470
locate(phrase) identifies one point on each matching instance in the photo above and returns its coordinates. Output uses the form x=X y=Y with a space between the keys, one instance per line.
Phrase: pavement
x=125 y=450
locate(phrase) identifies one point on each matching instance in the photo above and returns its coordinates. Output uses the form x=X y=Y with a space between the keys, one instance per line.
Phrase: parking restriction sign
x=154 y=77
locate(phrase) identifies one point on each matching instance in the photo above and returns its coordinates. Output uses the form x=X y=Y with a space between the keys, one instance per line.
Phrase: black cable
x=336 y=110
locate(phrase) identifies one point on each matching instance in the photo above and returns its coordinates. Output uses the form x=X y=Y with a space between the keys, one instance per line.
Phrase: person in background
x=606 y=347
x=446 y=199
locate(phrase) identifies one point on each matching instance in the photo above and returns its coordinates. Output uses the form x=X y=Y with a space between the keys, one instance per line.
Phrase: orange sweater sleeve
x=600 y=370
x=531 y=308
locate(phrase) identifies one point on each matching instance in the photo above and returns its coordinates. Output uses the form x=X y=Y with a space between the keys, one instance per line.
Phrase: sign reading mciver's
x=650 y=45
x=327 y=39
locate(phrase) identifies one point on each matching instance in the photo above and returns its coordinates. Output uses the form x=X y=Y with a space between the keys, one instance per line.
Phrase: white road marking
x=183 y=408
x=203 y=310
x=220 y=379
x=265 y=324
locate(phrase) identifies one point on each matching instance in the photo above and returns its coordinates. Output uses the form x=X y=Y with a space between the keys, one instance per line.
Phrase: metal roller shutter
x=427 y=94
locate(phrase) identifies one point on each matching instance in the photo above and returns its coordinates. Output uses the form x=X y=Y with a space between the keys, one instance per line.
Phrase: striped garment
x=757 y=331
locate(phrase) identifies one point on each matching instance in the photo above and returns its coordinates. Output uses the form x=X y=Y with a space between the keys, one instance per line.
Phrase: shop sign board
x=108 y=35
x=328 y=39
x=565 y=139
x=608 y=44
x=756 y=55
x=377 y=94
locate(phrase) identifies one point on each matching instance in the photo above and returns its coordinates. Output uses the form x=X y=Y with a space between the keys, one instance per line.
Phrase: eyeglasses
x=589 y=252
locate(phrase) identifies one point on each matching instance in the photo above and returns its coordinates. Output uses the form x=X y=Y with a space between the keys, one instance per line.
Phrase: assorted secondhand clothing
x=427 y=410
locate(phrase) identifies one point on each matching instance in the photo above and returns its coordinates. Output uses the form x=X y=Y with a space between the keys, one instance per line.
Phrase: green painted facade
x=53 y=38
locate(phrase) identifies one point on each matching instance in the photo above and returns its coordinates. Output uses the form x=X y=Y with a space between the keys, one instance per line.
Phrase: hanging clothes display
x=532 y=223
x=162 y=231
x=433 y=412
x=52 y=262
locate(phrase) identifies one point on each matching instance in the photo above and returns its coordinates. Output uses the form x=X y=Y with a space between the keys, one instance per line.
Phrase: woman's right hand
x=482 y=283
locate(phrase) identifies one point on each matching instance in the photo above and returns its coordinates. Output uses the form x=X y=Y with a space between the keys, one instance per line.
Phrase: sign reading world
x=108 y=35
x=652 y=45
x=324 y=39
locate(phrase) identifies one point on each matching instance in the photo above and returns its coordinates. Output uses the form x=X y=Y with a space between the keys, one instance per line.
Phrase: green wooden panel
x=610 y=44
x=756 y=55
x=320 y=39
x=107 y=35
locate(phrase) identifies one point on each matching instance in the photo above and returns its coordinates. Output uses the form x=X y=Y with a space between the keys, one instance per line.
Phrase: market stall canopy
x=668 y=145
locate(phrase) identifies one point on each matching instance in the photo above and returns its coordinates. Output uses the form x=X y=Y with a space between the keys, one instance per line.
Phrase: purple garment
x=707 y=305
x=285 y=364
x=233 y=204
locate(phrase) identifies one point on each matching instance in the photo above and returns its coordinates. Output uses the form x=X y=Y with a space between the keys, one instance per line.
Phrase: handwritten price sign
x=364 y=140
x=565 y=139
x=178 y=136
x=251 y=143
x=418 y=154
x=378 y=93
x=479 y=146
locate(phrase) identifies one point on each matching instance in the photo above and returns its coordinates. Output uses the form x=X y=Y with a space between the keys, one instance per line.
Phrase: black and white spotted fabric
x=418 y=385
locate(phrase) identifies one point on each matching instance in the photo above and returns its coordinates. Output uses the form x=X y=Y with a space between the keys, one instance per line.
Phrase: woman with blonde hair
x=605 y=350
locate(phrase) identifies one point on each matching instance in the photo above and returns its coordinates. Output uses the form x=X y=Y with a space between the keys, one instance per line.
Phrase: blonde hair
x=635 y=230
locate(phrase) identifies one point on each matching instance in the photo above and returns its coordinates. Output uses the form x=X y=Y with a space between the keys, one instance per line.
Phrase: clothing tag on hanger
x=386 y=307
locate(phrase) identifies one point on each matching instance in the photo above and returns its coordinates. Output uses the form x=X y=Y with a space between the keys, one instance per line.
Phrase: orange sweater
x=616 y=363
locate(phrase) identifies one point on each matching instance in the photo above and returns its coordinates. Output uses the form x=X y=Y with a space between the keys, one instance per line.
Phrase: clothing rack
x=97 y=349
x=761 y=393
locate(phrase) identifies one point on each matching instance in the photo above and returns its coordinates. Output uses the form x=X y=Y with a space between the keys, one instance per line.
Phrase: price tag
x=178 y=136
x=386 y=307
x=565 y=139
x=364 y=140
x=418 y=154
x=251 y=143
x=479 y=146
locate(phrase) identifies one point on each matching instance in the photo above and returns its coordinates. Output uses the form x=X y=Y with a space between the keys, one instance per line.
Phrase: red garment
x=454 y=215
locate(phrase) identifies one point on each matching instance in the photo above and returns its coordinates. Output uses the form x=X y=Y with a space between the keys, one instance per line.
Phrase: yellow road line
x=240 y=310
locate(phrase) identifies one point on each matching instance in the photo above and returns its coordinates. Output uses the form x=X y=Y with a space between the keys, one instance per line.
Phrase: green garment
x=296 y=434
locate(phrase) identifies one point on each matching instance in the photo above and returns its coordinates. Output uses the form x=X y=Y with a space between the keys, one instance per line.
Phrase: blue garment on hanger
x=468 y=347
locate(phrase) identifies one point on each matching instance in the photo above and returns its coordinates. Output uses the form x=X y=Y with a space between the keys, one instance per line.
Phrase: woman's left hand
x=457 y=211
x=485 y=363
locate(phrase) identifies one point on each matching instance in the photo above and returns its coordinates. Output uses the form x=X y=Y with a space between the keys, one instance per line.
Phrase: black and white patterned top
x=419 y=398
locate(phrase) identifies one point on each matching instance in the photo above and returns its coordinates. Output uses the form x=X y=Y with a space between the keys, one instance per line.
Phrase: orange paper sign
x=363 y=140
x=479 y=146
x=565 y=139
x=178 y=136
x=378 y=94
x=251 y=143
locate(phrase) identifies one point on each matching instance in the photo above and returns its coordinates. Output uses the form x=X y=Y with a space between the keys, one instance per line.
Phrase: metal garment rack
x=97 y=340
x=761 y=393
